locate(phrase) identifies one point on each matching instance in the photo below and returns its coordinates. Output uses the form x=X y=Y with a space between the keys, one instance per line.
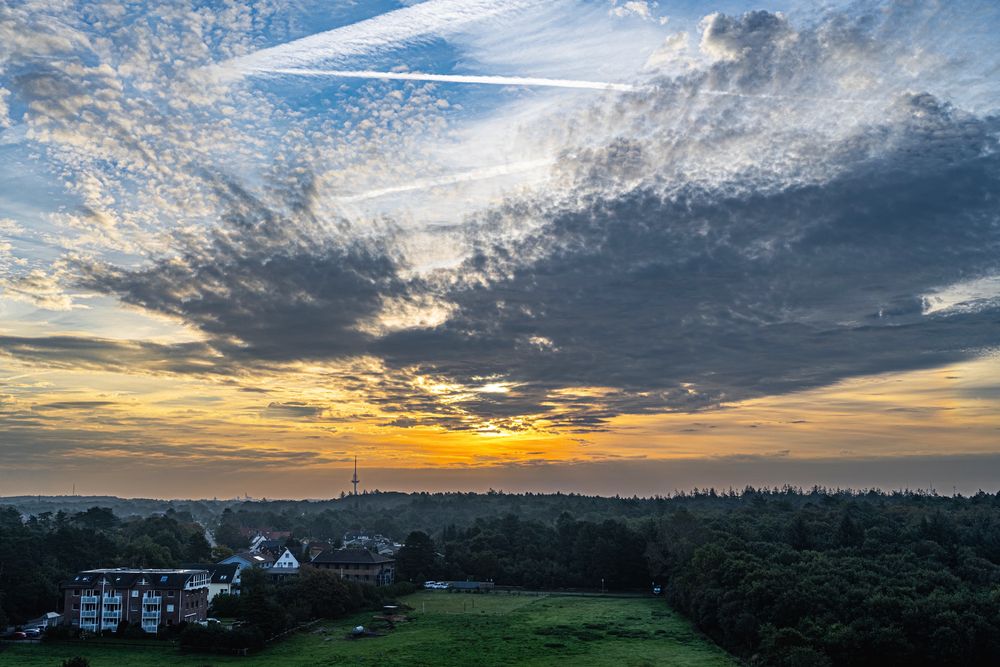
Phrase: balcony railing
x=89 y=599
x=152 y=600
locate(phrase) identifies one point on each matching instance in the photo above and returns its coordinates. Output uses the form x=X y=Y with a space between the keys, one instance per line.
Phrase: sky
x=603 y=246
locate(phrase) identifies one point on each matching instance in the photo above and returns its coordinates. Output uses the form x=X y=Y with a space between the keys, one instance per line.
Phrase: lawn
x=453 y=629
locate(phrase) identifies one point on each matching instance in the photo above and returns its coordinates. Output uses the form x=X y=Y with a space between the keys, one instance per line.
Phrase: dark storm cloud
x=73 y=405
x=104 y=354
x=291 y=410
x=273 y=281
x=686 y=300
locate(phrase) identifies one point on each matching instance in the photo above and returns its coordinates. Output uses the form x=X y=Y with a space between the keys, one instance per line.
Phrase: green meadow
x=451 y=629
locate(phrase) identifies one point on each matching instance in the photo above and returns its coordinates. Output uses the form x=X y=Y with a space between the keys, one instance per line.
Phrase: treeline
x=38 y=553
x=849 y=580
x=514 y=552
x=397 y=514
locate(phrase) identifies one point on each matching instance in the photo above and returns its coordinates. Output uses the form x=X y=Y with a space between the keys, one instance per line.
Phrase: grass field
x=452 y=629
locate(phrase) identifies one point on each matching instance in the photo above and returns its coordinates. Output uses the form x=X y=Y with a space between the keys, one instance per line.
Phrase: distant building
x=358 y=565
x=272 y=547
x=286 y=565
x=246 y=559
x=314 y=549
x=223 y=577
x=48 y=620
x=286 y=561
x=469 y=585
x=97 y=600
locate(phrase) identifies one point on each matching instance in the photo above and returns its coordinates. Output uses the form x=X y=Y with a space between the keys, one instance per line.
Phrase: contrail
x=449 y=78
x=450 y=179
x=389 y=30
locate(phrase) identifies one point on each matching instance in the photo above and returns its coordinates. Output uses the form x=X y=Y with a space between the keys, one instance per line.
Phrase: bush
x=215 y=638
x=58 y=632
x=226 y=605
x=76 y=662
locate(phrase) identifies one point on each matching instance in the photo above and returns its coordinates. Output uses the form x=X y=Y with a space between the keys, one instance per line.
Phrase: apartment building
x=358 y=565
x=97 y=600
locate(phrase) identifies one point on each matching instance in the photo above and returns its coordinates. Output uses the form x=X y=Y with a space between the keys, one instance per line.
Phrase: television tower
x=355 y=480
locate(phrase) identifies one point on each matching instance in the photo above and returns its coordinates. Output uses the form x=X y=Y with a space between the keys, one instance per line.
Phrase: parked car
x=17 y=635
x=33 y=633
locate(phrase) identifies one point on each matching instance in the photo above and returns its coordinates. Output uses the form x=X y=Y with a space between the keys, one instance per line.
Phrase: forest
x=780 y=577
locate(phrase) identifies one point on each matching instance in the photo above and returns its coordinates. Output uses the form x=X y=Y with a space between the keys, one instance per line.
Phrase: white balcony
x=89 y=599
x=151 y=600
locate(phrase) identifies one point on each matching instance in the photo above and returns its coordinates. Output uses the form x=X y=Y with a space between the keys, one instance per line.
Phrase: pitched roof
x=128 y=577
x=221 y=573
x=250 y=558
x=350 y=557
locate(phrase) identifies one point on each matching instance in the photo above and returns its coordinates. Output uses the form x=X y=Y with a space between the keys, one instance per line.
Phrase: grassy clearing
x=454 y=630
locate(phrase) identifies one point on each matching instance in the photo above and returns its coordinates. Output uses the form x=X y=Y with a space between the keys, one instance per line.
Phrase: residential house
x=246 y=559
x=358 y=565
x=314 y=549
x=48 y=620
x=97 y=600
x=223 y=577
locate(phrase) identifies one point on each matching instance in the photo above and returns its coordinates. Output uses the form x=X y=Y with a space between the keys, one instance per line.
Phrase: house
x=223 y=577
x=286 y=565
x=242 y=561
x=246 y=559
x=358 y=565
x=272 y=547
x=97 y=600
x=314 y=549
x=48 y=620
x=286 y=561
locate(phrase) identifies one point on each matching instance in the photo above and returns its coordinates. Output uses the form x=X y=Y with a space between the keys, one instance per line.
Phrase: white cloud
x=963 y=297
x=386 y=31
x=638 y=8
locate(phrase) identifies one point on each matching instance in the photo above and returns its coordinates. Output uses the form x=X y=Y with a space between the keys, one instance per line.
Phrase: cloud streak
x=451 y=78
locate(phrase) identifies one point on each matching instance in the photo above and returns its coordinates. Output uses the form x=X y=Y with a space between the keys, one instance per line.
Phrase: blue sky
x=478 y=234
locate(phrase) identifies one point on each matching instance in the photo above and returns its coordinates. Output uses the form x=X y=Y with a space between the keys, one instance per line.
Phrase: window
x=76 y=592
x=76 y=606
x=163 y=579
x=170 y=608
x=135 y=593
